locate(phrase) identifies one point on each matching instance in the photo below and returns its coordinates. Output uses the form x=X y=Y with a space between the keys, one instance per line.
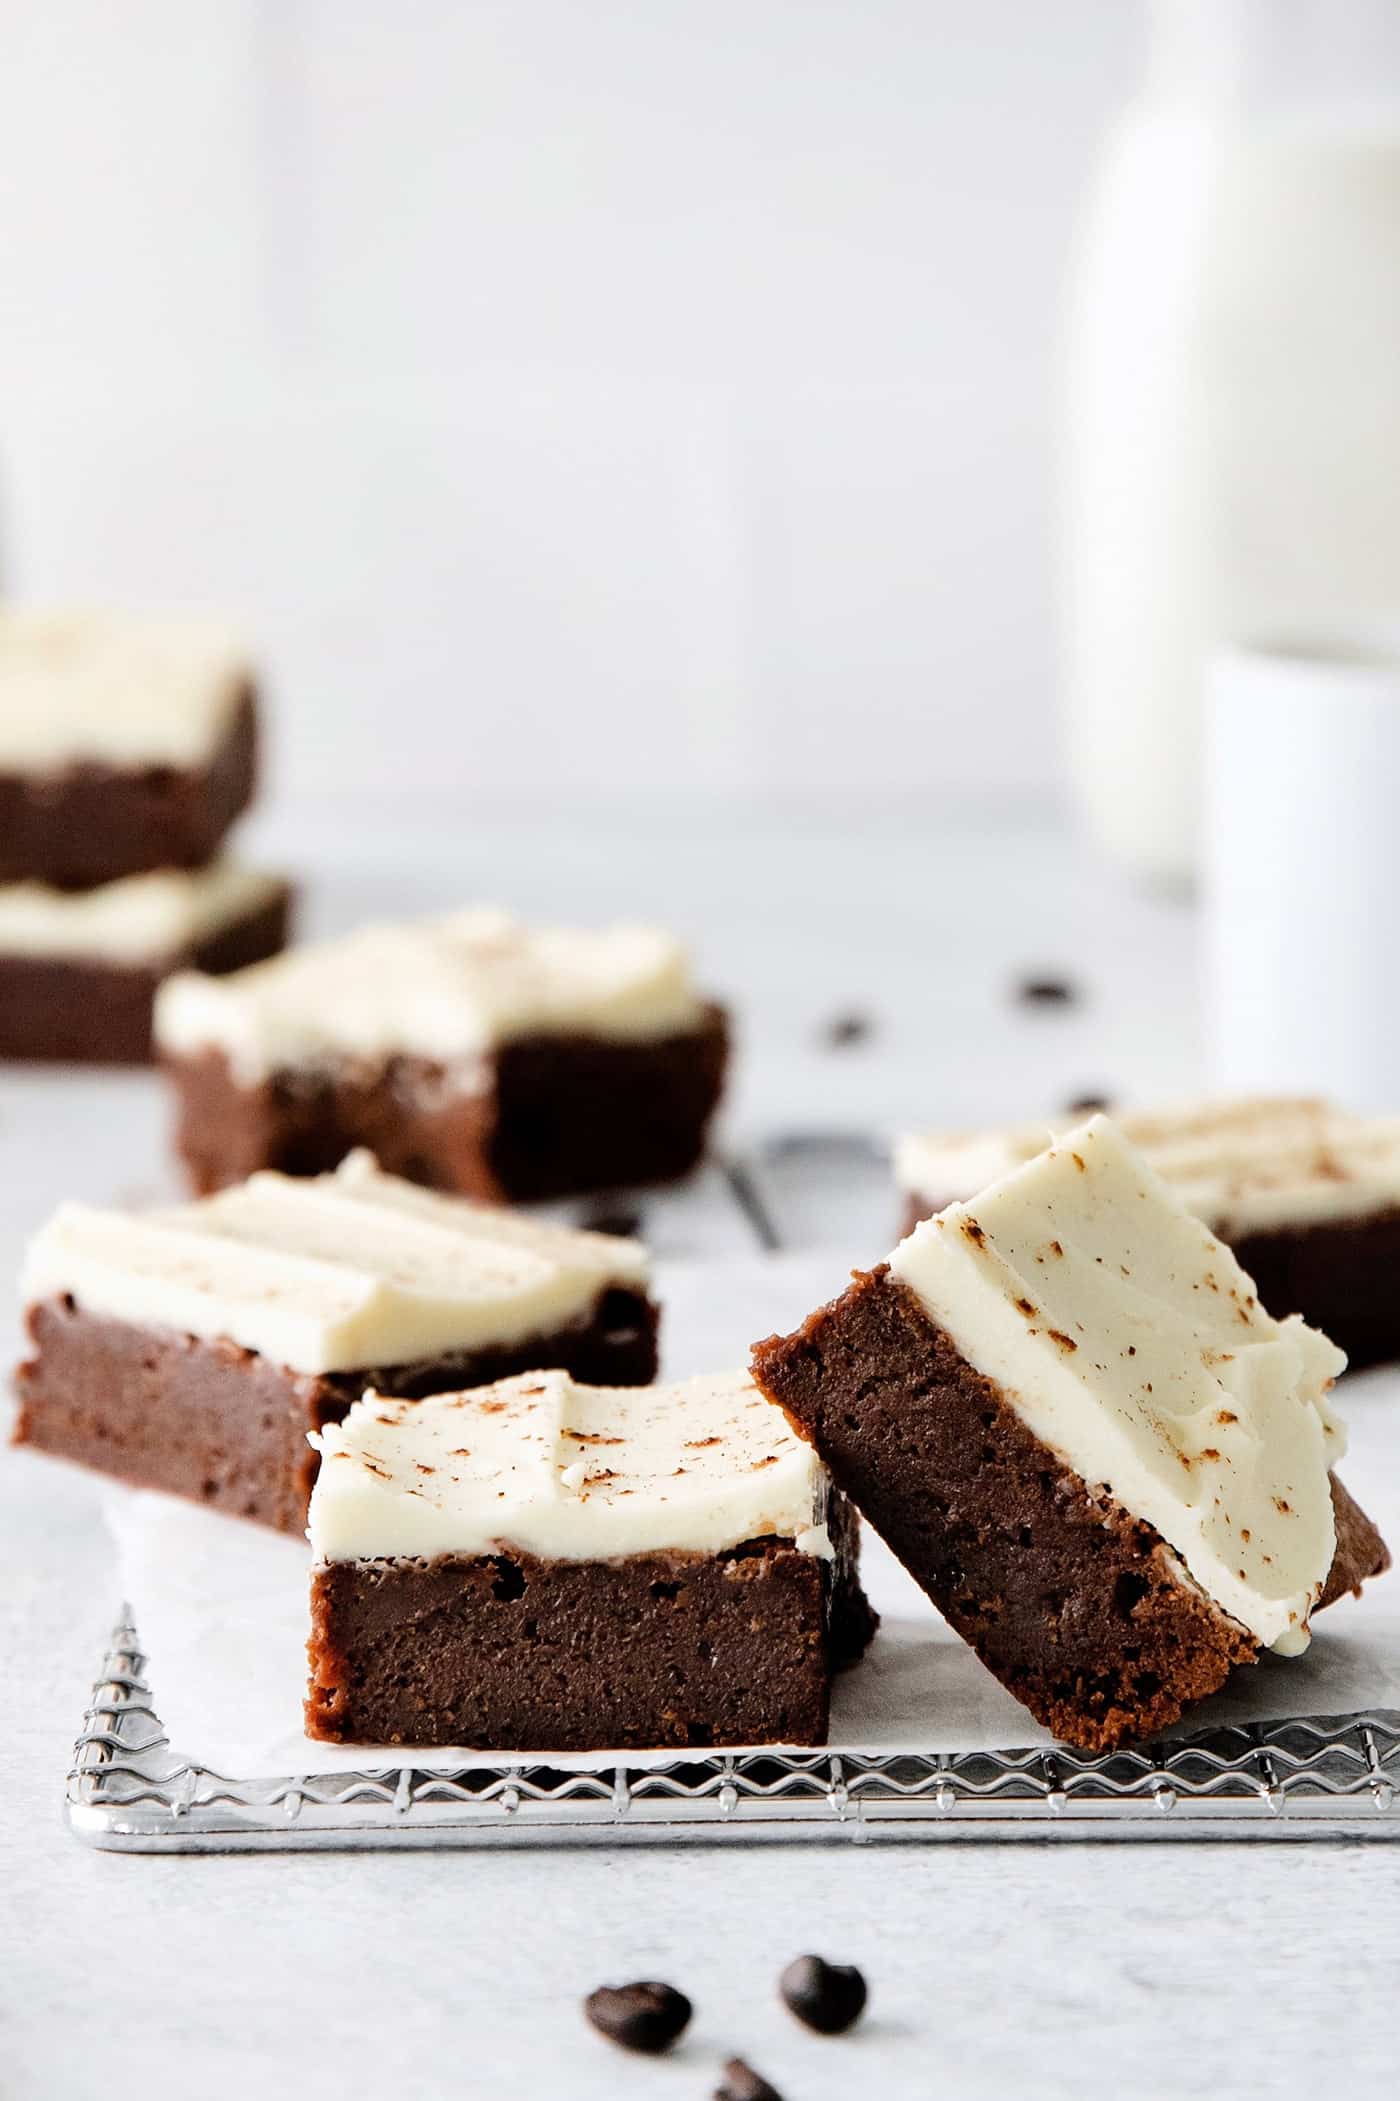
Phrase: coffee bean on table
x=828 y=1996
x=742 y=2083
x=646 y=2017
x=1046 y=991
x=1089 y=1105
x=843 y=1031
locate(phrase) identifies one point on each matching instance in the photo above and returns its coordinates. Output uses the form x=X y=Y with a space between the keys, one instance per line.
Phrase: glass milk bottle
x=1230 y=426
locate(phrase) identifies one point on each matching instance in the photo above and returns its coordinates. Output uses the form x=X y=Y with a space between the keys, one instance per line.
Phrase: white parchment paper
x=221 y=1605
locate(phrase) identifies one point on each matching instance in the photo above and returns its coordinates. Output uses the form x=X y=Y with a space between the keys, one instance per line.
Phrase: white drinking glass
x=1302 y=869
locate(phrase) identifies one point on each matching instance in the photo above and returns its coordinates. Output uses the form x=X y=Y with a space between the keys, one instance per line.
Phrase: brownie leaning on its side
x=1065 y=1409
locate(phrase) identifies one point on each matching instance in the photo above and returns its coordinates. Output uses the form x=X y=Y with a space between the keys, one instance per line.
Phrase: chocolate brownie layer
x=93 y=823
x=1361 y=1552
x=511 y=1653
x=224 y=1426
x=407 y=1112
x=1081 y=1610
x=1338 y=1273
x=575 y=1113
x=81 y=1010
x=547 y=1116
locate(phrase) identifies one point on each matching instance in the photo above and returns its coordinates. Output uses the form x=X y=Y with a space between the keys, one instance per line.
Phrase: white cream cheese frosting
x=448 y=989
x=332 y=1273
x=140 y=919
x=1131 y=1343
x=114 y=690
x=566 y=1472
x=1243 y=1166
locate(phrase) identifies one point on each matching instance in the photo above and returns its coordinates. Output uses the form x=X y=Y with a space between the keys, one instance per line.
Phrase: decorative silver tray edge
x=1327 y=1776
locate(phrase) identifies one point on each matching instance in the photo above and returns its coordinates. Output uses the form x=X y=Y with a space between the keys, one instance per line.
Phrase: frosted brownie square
x=79 y=969
x=1306 y=1195
x=1064 y=1407
x=544 y=1566
x=469 y=1052
x=196 y=1349
x=125 y=745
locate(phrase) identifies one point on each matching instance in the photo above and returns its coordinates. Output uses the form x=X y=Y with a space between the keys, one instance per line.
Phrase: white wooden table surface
x=1043 y=1970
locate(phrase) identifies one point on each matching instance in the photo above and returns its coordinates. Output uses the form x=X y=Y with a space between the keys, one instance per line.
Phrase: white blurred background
x=649 y=395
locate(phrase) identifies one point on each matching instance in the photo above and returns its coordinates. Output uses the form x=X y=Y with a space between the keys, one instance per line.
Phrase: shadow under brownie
x=174 y=1354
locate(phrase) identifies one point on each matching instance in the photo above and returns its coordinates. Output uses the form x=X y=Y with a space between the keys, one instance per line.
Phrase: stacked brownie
x=1306 y=1195
x=127 y=749
x=1065 y=1408
x=470 y=1052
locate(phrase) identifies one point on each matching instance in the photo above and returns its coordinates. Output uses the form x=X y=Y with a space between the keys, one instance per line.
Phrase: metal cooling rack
x=1325 y=1777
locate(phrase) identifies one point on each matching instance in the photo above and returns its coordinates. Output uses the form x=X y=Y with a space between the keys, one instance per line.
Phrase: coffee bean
x=1089 y=1105
x=646 y=2017
x=844 y=1030
x=621 y=1225
x=1046 y=992
x=828 y=1996
x=742 y=2083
